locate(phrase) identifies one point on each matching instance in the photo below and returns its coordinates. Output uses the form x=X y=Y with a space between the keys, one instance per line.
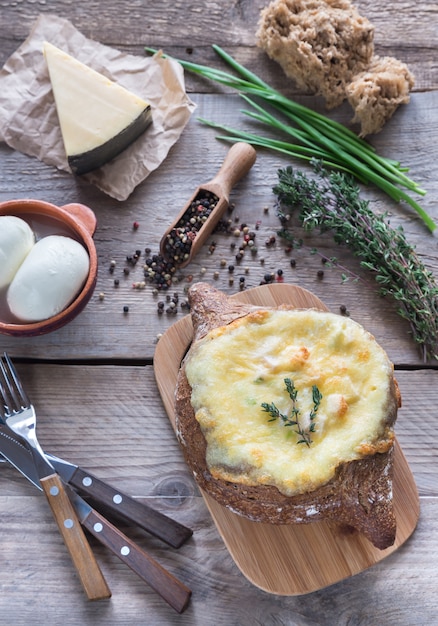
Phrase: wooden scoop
x=239 y=160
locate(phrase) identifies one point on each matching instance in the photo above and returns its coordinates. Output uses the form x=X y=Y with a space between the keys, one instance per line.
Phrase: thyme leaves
x=293 y=418
x=331 y=203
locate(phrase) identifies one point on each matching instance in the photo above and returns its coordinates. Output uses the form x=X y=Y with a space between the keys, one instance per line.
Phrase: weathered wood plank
x=98 y=428
x=402 y=29
x=411 y=137
x=113 y=422
x=89 y=414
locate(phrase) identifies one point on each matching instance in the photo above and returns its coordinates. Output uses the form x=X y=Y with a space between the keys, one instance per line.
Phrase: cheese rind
x=48 y=279
x=16 y=241
x=237 y=367
x=98 y=118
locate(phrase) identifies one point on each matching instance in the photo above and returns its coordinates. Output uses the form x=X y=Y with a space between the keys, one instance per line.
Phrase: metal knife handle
x=163 y=582
x=91 y=577
x=165 y=528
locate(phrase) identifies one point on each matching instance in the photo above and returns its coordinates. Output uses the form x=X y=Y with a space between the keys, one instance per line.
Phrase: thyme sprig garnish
x=331 y=202
x=314 y=135
x=293 y=419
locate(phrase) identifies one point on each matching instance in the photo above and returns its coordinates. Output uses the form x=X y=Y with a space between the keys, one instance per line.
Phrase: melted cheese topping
x=237 y=367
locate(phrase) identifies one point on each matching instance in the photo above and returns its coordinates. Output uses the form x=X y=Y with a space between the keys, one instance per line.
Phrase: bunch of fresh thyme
x=331 y=202
x=293 y=418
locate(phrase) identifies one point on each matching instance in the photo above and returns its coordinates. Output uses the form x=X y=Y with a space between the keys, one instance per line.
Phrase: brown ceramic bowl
x=75 y=220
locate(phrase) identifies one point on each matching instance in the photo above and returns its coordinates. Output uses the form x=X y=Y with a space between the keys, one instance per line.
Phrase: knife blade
x=172 y=590
x=48 y=481
x=161 y=526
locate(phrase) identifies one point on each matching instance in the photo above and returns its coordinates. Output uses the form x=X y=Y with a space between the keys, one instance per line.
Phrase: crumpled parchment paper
x=28 y=118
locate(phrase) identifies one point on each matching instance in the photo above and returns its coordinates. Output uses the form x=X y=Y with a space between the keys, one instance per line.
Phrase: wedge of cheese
x=98 y=118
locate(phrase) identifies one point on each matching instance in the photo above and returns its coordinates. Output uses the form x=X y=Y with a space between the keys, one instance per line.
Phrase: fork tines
x=11 y=390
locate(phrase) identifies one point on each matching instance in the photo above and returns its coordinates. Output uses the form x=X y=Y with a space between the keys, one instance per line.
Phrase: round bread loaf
x=335 y=466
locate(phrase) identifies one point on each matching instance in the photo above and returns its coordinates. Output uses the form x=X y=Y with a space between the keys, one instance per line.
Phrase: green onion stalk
x=313 y=135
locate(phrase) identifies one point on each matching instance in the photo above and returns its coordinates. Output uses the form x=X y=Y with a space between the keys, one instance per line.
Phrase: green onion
x=317 y=136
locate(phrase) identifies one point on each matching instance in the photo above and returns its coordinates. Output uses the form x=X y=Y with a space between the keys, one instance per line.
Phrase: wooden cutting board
x=292 y=559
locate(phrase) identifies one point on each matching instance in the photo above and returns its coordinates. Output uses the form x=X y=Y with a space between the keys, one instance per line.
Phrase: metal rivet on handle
x=125 y=551
x=117 y=499
x=54 y=490
x=68 y=523
x=98 y=527
x=87 y=481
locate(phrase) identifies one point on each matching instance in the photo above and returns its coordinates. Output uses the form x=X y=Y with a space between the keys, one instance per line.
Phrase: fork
x=18 y=415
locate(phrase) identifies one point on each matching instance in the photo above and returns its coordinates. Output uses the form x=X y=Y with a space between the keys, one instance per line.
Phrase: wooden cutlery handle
x=173 y=591
x=91 y=577
x=156 y=523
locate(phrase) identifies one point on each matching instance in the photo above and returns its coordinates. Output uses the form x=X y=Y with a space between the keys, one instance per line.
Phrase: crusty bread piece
x=321 y=44
x=327 y=48
x=358 y=496
x=376 y=93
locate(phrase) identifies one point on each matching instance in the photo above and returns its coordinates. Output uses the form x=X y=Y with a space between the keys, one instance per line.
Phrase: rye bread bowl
x=358 y=496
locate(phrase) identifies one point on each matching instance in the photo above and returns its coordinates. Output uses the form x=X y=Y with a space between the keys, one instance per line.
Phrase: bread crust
x=376 y=93
x=327 y=48
x=321 y=44
x=360 y=493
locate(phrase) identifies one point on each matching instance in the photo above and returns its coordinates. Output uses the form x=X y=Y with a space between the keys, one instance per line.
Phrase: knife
x=173 y=591
x=165 y=528
x=88 y=570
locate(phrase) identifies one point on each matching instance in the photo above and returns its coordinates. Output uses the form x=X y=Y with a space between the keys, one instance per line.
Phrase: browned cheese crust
x=360 y=494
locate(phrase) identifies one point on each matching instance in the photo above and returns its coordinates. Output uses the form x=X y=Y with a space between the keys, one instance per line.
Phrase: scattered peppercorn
x=320 y=274
x=126 y=309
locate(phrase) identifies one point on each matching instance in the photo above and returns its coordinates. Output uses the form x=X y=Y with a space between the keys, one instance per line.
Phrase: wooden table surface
x=92 y=381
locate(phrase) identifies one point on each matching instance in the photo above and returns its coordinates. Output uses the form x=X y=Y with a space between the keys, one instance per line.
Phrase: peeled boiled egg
x=48 y=279
x=16 y=241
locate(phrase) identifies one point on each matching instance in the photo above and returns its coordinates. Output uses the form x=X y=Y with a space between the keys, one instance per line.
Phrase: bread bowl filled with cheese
x=286 y=415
